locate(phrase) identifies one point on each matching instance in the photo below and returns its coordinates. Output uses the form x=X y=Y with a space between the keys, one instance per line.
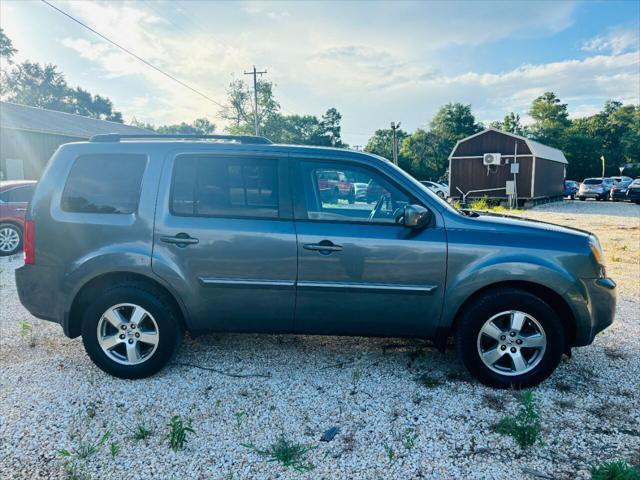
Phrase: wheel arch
x=73 y=321
x=550 y=296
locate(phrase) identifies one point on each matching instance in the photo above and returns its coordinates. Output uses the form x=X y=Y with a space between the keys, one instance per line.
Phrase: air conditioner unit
x=492 y=159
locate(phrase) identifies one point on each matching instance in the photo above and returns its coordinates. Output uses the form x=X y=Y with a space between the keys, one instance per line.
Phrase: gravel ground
x=391 y=424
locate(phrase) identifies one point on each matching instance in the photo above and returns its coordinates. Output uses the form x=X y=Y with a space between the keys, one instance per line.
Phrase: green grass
x=178 y=430
x=286 y=452
x=141 y=432
x=428 y=381
x=615 y=471
x=525 y=426
x=485 y=205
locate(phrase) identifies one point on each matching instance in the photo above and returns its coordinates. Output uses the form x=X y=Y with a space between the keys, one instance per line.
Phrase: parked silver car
x=437 y=188
x=130 y=242
x=596 y=188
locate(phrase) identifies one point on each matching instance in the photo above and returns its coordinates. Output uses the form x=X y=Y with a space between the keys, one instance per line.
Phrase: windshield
x=593 y=181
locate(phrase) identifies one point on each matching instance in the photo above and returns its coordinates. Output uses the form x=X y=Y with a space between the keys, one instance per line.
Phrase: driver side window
x=340 y=192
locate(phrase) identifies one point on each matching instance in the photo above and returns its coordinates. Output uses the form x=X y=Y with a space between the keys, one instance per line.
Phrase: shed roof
x=537 y=149
x=34 y=119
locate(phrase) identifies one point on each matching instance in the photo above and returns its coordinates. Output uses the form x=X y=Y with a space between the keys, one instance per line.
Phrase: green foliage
x=85 y=449
x=178 y=430
x=391 y=454
x=114 y=448
x=525 y=426
x=409 y=437
x=428 y=381
x=381 y=143
x=6 y=47
x=614 y=471
x=26 y=329
x=511 y=124
x=141 y=432
x=200 y=126
x=286 y=452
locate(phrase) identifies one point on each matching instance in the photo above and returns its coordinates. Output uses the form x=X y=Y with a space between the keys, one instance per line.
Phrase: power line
x=132 y=54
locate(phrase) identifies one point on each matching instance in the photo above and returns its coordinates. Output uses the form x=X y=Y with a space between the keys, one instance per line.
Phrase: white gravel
x=51 y=397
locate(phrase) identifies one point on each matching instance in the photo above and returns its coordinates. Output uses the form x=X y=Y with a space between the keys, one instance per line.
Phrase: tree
x=6 y=47
x=454 y=121
x=550 y=117
x=422 y=154
x=240 y=108
x=330 y=125
x=511 y=124
x=381 y=143
x=200 y=126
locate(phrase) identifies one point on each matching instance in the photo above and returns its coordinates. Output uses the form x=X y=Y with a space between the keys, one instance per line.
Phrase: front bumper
x=594 y=305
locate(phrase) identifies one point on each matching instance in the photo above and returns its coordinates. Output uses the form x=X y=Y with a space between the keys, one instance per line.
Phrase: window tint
x=18 y=194
x=210 y=186
x=104 y=184
x=354 y=195
x=593 y=181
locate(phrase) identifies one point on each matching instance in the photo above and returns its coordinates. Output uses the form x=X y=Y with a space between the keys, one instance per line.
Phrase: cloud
x=617 y=41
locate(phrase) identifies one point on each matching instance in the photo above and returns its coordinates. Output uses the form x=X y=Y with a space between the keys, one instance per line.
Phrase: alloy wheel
x=511 y=343
x=128 y=334
x=9 y=239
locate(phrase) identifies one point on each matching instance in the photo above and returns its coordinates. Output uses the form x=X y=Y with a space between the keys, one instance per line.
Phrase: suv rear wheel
x=510 y=338
x=10 y=239
x=131 y=332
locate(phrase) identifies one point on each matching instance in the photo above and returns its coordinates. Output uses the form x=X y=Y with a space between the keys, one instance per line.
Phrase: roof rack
x=116 y=137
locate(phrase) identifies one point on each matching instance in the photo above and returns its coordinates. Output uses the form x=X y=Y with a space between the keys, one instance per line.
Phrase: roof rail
x=116 y=137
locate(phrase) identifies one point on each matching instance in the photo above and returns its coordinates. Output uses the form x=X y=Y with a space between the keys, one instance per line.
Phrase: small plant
x=428 y=381
x=178 y=430
x=356 y=376
x=525 y=426
x=141 y=432
x=615 y=471
x=391 y=454
x=84 y=450
x=239 y=416
x=114 y=448
x=409 y=437
x=26 y=331
x=286 y=452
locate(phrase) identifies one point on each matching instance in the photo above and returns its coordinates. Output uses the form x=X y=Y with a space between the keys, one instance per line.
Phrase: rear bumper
x=39 y=292
x=618 y=195
x=592 y=194
x=594 y=305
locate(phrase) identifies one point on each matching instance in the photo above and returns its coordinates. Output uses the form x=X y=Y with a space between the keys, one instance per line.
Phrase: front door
x=359 y=271
x=225 y=240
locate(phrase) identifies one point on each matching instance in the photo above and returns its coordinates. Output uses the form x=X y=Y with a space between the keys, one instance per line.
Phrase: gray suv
x=131 y=241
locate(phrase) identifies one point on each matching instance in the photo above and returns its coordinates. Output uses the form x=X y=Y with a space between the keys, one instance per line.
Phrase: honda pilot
x=130 y=242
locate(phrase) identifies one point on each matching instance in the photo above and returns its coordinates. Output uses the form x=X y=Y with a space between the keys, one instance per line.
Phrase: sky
x=376 y=62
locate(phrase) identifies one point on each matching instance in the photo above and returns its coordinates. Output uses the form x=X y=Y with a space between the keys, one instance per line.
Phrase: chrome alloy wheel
x=9 y=239
x=128 y=334
x=511 y=343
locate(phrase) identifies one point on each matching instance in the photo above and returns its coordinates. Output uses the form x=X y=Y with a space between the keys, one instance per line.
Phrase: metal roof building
x=30 y=135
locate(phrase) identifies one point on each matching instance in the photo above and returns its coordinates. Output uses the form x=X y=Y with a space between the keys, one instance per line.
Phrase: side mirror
x=416 y=216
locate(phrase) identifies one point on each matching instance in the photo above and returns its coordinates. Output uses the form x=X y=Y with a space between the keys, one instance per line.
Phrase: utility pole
x=603 y=161
x=255 y=95
x=394 y=128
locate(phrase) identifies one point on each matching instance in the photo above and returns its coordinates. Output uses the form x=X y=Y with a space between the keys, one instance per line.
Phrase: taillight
x=28 y=242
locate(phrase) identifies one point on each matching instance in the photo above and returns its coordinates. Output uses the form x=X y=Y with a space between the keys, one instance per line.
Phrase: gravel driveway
x=403 y=410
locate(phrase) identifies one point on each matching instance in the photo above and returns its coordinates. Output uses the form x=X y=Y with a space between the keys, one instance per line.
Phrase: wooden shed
x=541 y=169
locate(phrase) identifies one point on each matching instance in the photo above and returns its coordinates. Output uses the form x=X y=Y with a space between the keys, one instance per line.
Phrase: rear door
x=225 y=241
x=360 y=272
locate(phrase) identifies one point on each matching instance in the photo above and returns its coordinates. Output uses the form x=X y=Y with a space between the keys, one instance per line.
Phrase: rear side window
x=104 y=184
x=223 y=187
x=18 y=194
x=592 y=181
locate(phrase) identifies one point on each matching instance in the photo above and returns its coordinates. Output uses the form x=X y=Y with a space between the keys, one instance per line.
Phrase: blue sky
x=374 y=61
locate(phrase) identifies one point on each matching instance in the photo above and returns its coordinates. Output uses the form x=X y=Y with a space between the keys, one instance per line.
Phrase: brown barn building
x=541 y=168
x=30 y=135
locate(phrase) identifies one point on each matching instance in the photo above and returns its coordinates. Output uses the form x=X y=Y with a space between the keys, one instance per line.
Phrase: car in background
x=633 y=191
x=619 y=190
x=597 y=188
x=333 y=185
x=619 y=179
x=570 y=189
x=438 y=189
x=15 y=196
x=360 y=191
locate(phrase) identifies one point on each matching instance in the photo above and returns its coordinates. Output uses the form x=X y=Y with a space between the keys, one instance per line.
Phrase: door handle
x=325 y=247
x=21 y=209
x=181 y=240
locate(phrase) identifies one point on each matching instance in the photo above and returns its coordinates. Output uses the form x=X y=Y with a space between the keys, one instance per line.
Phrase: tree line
x=614 y=132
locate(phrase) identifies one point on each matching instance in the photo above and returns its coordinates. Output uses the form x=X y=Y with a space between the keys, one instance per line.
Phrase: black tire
x=573 y=197
x=476 y=313
x=582 y=199
x=11 y=229
x=168 y=320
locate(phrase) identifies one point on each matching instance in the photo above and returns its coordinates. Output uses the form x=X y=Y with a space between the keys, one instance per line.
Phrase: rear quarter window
x=104 y=184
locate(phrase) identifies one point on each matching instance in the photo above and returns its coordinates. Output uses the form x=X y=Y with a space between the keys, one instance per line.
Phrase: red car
x=334 y=185
x=15 y=195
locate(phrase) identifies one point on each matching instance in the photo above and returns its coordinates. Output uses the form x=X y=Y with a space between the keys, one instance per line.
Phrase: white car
x=438 y=189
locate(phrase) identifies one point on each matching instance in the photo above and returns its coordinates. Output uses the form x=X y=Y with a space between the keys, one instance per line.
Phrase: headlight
x=596 y=251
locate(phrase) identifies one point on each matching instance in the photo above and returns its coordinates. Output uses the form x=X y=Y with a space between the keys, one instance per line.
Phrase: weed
x=141 y=432
x=356 y=375
x=26 y=331
x=525 y=426
x=84 y=450
x=428 y=381
x=409 y=437
x=239 y=416
x=286 y=452
x=566 y=404
x=178 y=430
x=614 y=471
x=564 y=387
x=391 y=454
x=114 y=448
x=614 y=353
x=494 y=401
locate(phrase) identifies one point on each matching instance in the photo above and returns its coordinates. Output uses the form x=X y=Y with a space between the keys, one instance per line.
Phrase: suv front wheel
x=510 y=338
x=131 y=332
